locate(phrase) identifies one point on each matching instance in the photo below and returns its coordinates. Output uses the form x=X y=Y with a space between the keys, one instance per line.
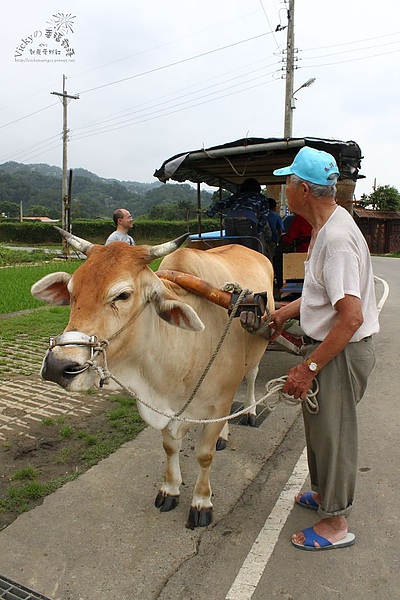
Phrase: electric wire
x=351 y=42
x=177 y=40
x=30 y=149
x=355 y=50
x=341 y=62
x=174 y=64
x=181 y=97
x=150 y=117
x=27 y=116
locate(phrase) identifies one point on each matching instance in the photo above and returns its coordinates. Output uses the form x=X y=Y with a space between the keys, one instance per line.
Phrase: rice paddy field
x=19 y=270
x=16 y=282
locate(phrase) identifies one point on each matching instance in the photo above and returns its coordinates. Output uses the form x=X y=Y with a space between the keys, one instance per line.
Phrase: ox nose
x=59 y=371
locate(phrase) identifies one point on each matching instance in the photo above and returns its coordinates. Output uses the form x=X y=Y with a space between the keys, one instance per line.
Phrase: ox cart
x=227 y=166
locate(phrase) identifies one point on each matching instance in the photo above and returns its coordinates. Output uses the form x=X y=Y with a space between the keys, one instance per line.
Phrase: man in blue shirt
x=247 y=213
x=277 y=228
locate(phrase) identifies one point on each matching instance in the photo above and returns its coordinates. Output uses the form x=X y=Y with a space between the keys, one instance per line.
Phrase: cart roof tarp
x=228 y=165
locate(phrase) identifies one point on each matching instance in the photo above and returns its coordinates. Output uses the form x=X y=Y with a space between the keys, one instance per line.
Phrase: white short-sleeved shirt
x=116 y=236
x=339 y=264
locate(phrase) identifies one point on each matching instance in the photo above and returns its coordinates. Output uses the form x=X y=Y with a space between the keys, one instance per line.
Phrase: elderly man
x=123 y=223
x=338 y=315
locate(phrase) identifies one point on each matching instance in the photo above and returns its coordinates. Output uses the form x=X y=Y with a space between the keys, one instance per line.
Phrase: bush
x=37 y=233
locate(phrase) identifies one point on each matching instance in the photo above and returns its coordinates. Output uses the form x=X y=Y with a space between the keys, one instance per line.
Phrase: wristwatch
x=312 y=365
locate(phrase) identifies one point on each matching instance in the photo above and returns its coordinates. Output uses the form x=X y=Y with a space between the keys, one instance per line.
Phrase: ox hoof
x=221 y=444
x=166 y=502
x=199 y=518
x=249 y=420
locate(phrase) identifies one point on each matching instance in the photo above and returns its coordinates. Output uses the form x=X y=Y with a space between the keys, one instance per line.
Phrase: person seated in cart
x=277 y=229
x=247 y=215
x=296 y=239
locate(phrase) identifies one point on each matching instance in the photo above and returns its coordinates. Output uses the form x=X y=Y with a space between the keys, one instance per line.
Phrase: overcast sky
x=158 y=78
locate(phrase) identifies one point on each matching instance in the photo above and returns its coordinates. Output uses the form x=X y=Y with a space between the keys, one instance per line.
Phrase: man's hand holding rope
x=299 y=378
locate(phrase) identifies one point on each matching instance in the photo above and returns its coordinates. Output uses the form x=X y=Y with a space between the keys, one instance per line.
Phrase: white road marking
x=254 y=565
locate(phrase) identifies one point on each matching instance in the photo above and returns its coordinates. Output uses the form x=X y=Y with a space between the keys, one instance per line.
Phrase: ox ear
x=52 y=288
x=175 y=312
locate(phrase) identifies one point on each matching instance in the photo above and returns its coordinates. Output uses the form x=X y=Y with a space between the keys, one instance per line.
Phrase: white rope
x=273 y=388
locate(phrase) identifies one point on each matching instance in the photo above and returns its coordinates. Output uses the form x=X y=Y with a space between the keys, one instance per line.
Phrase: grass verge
x=63 y=458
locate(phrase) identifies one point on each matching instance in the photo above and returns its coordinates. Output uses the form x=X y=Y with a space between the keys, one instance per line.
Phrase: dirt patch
x=59 y=450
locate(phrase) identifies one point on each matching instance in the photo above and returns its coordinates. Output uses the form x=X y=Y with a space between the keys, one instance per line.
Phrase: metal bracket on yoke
x=256 y=303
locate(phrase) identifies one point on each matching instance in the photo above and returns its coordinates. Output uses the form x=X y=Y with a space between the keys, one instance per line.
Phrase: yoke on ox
x=116 y=297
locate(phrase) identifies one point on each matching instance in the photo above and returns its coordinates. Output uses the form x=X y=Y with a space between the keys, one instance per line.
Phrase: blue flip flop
x=307 y=501
x=324 y=544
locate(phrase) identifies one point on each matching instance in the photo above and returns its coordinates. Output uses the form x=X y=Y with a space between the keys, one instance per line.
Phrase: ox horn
x=77 y=242
x=168 y=247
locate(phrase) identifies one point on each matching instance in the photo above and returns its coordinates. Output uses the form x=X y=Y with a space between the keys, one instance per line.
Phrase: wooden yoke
x=254 y=302
x=203 y=288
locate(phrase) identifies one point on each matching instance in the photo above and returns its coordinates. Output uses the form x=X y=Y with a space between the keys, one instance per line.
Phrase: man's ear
x=306 y=189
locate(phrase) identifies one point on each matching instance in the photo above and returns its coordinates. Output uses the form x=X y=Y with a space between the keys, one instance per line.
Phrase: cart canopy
x=228 y=165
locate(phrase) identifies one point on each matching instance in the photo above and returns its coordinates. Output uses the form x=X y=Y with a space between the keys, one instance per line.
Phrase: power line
x=151 y=118
x=178 y=62
x=146 y=107
x=26 y=116
x=187 y=59
x=269 y=24
x=32 y=155
x=341 y=62
x=352 y=42
x=217 y=26
x=28 y=150
x=355 y=50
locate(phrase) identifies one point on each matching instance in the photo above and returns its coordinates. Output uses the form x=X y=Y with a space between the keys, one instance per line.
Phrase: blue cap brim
x=283 y=171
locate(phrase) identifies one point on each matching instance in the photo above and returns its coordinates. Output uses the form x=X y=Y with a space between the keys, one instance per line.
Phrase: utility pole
x=64 y=190
x=288 y=124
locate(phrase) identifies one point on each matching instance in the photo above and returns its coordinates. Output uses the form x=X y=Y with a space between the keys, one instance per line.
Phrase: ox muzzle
x=63 y=371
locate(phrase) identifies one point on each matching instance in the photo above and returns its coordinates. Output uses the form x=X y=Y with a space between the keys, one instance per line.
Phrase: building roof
x=42 y=219
x=382 y=215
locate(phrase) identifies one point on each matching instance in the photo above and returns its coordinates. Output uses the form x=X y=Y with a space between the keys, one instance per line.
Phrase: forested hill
x=38 y=187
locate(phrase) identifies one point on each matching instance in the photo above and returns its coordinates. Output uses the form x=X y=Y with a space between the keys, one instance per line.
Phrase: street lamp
x=290 y=105
x=308 y=83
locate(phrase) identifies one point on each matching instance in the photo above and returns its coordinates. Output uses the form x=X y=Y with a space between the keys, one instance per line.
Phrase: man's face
x=126 y=220
x=294 y=194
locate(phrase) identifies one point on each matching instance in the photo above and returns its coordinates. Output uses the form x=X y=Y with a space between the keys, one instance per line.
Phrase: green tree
x=173 y=211
x=9 y=209
x=37 y=210
x=385 y=197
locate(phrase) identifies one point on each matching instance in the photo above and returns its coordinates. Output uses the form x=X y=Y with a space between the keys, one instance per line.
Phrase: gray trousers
x=332 y=434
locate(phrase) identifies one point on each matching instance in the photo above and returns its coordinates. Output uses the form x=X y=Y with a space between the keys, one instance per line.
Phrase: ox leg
x=168 y=496
x=201 y=511
x=222 y=441
x=249 y=418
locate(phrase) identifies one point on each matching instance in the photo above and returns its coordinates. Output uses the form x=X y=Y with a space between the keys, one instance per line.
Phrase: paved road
x=100 y=536
x=24 y=398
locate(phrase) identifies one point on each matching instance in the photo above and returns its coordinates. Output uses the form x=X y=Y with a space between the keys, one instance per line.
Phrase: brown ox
x=115 y=296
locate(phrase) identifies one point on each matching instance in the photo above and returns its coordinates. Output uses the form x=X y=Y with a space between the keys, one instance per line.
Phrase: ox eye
x=122 y=296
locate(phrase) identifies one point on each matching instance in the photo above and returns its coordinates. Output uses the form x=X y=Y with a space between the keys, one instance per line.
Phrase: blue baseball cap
x=312 y=165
